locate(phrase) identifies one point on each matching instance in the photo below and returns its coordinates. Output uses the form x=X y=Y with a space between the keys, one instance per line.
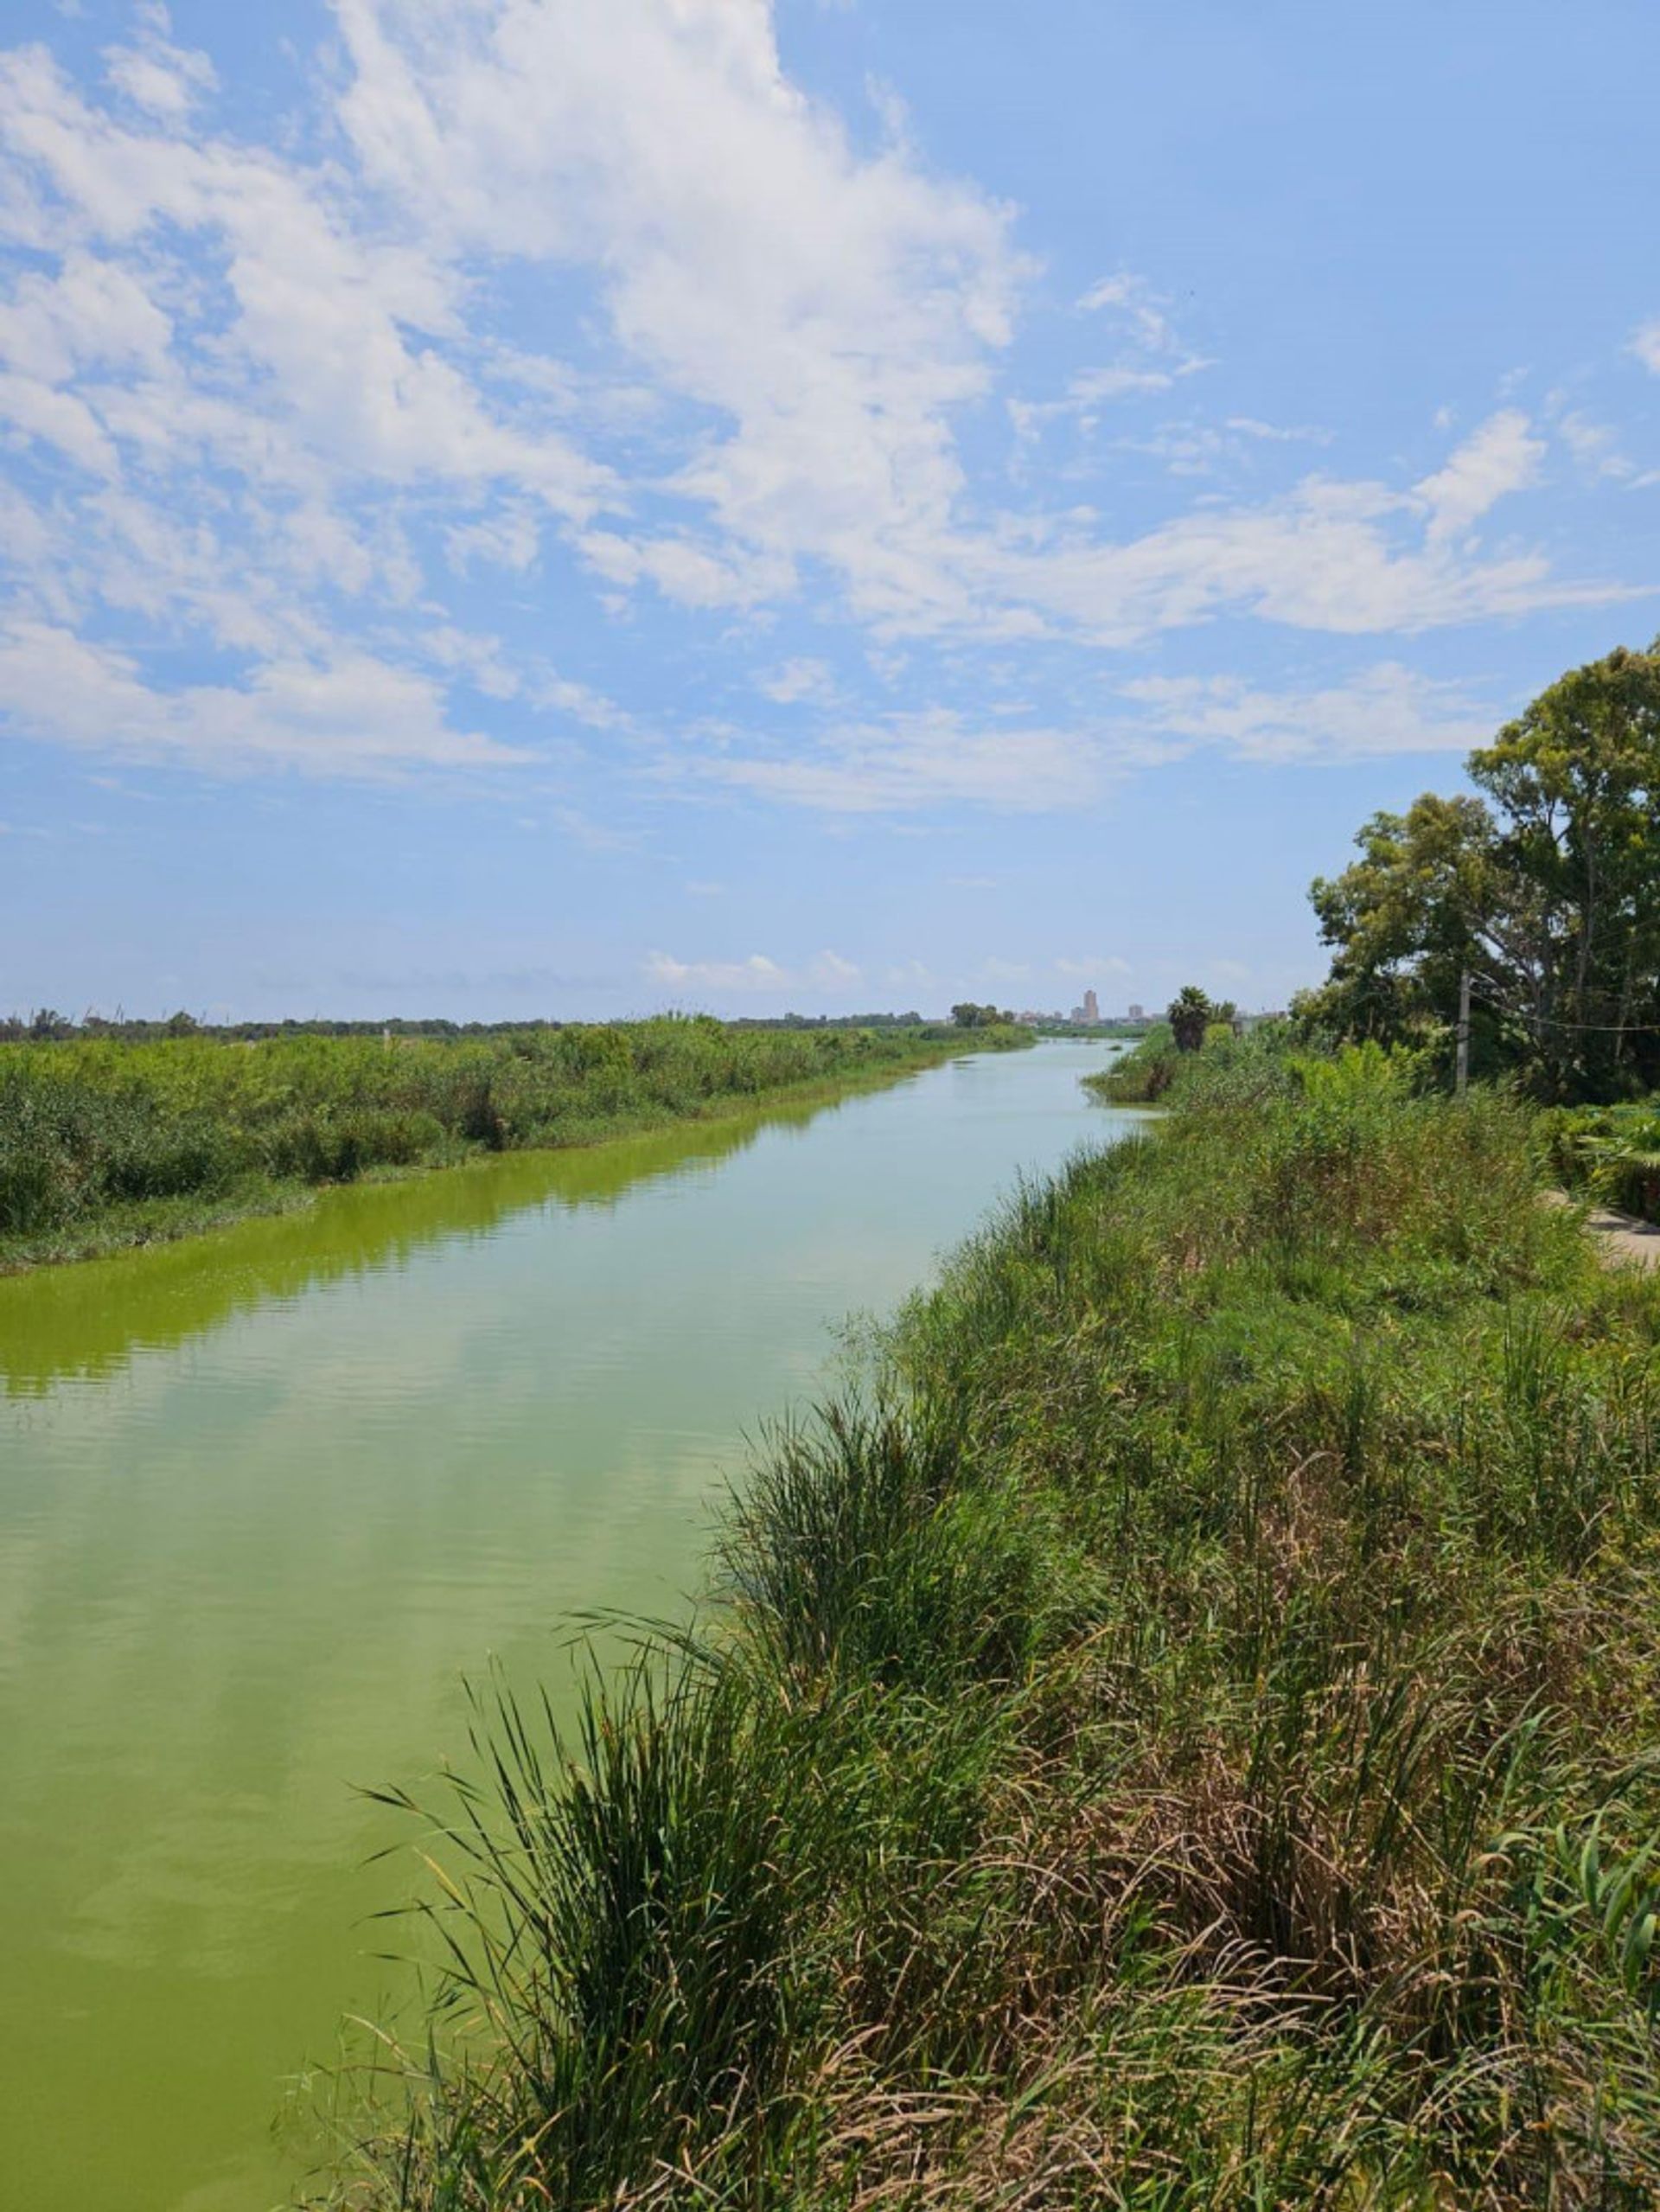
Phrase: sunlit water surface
x=268 y=1498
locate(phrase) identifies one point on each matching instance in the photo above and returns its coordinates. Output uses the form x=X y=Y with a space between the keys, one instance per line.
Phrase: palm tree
x=1189 y=1014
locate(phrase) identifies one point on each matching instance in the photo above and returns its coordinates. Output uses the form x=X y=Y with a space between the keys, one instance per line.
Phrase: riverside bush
x=1185 y=1736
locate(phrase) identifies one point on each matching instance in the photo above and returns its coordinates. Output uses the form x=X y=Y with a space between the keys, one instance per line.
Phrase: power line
x=1554 y=1021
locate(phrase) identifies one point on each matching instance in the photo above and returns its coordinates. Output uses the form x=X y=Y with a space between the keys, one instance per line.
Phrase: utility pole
x=1463 y=1082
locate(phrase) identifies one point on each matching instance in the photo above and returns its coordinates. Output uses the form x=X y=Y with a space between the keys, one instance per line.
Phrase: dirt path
x=1622 y=1239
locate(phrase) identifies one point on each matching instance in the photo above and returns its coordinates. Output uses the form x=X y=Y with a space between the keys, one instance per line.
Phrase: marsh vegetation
x=1182 y=1735
x=106 y=1140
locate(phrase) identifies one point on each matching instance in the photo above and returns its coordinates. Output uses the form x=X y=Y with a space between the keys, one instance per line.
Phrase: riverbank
x=1185 y=1737
x=104 y=1146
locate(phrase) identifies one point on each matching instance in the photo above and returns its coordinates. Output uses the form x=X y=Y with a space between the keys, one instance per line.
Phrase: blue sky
x=575 y=505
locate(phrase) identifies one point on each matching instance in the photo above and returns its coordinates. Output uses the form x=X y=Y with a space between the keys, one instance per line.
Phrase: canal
x=269 y=1497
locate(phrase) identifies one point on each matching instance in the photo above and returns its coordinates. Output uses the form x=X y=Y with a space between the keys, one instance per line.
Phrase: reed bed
x=106 y=1141
x=1185 y=1736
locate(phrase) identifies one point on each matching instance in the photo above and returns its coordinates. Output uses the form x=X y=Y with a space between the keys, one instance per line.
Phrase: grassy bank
x=1189 y=1738
x=104 y=1143
x=1155 y=1066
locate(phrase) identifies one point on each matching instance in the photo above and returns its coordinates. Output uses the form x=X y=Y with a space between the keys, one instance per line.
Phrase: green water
x=266 y=1497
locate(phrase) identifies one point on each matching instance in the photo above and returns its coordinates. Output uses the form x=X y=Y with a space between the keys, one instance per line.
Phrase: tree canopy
x=1543 y=884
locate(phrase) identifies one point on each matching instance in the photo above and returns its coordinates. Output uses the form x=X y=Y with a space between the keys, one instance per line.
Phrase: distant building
x=1091 y=1006
x=1138 y=1013
x=1077 y=1014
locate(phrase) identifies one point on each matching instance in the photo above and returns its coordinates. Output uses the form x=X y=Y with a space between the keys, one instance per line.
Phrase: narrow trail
x=1622 y=1239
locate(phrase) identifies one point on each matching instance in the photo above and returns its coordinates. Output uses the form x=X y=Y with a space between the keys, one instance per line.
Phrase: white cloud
x=353 y=715
x=156 y=74
x=799 y=679
x=1091 y=385
x=756 y=973
x=320 y=317
x=1646 y=346
x=910 y=975
x=1132 y=300
x=1279 y=433
x=281 y=420
x=221 y=336
x=560 y=695
x=917 y=761
x=509 y=540
x=828 y=971
x=91 y=312
x=1326 y=556
x=1155 y=359
x=1502 y=456
x=1595 y=448
x=57 y=419
x=1092 y=964
x=833 y=309
x=1386 y=709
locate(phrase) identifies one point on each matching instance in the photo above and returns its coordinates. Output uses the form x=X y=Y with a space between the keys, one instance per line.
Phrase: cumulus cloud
x=239 y=380
x=831 y=308
x=273 y=410
x=351 y=715
x=835 y=311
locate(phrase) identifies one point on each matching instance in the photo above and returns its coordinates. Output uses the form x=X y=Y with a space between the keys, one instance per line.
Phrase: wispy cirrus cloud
x=1082 y=968
x=911 y=763
x=1384 y=710
x=756 y=972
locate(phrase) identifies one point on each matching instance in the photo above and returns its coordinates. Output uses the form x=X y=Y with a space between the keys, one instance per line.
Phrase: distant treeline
x=46 y=1025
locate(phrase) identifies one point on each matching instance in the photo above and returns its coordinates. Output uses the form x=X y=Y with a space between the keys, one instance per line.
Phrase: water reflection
x=84 y=1320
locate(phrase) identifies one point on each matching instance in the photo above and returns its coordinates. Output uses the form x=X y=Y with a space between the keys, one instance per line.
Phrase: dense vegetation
x=1143 y=1075
x=1186 y=1738
x=105 y=1141
x=1610 y=1154
x=1542 y=885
